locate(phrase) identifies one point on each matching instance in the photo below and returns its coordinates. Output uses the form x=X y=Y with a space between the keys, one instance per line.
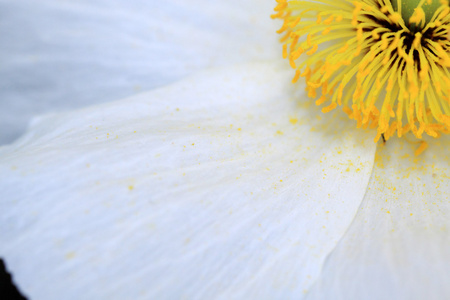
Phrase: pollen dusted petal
x=398 y=244
x=374 y=58
x=219 y=186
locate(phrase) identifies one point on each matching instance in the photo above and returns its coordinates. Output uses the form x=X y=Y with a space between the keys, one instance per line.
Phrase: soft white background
x=57 y=55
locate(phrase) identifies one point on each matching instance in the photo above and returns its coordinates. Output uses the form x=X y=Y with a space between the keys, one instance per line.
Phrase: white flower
x=223 y=185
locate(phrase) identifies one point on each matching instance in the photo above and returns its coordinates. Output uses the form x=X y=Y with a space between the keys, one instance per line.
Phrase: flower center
x=407 y=8
x=385 y=65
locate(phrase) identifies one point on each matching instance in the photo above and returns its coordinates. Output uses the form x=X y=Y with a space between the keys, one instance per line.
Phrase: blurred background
x=58 y=55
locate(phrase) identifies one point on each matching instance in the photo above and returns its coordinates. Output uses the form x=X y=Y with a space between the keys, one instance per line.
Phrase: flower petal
x=398 y=247
x=57 y=55
x=220 y=185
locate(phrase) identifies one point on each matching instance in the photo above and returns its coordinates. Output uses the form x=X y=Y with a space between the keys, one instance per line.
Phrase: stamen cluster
x=386 y=72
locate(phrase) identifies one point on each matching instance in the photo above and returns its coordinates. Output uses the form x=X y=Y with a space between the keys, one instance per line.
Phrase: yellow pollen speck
x=279 y=132
x=130 y=187
x=293 y=121
x=386 y=71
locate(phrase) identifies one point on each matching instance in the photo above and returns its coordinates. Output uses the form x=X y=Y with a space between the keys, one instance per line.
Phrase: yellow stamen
x=387 y=72
x=422 y=147
x=329 y=108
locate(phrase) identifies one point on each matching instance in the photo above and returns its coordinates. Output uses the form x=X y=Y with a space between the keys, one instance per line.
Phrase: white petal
x=57 y=55
x=203 y=189
x=398 y=247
